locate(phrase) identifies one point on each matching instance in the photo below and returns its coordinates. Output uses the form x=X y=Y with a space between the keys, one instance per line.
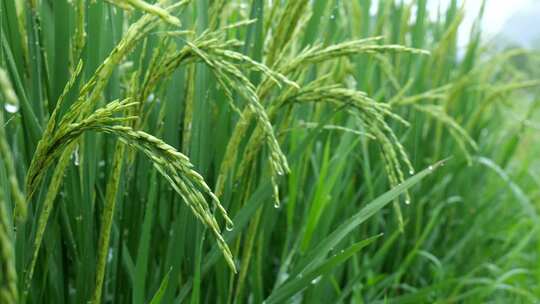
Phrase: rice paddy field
x=264 y=151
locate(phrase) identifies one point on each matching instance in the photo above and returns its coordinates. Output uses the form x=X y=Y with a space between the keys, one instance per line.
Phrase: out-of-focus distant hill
x=522 y=29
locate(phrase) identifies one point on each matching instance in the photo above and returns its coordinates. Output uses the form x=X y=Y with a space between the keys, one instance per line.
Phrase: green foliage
x=242 y=151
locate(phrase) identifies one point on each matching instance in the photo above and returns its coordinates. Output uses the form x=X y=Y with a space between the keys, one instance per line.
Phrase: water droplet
x=332 y=16
x=75 y=156
x=430 y=168
x=11 y=108
x=282 y=277
x=407 y=201
x=411 y=171
x=229 y=226
x=276 y=204
x=316 y=280
x=151 y=98
x=110 y=255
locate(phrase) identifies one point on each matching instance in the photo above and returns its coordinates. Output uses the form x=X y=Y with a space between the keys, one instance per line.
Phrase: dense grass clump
x=248 y=151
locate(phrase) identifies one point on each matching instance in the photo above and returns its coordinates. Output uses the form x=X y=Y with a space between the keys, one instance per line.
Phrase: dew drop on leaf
x=11 y=108
x=75 y=156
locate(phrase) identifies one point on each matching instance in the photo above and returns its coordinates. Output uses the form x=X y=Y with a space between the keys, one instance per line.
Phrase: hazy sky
x=514 y=22
x=497 y=12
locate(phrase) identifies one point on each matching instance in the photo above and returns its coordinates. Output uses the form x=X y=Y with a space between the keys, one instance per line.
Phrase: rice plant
x=263 y=151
